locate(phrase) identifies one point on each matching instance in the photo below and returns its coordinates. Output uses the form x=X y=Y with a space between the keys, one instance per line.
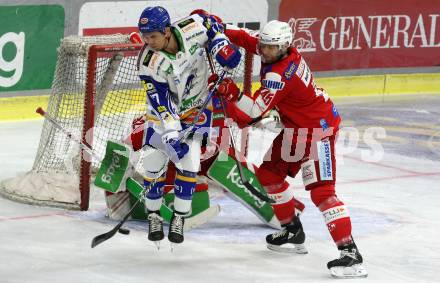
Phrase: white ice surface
x=394 y=205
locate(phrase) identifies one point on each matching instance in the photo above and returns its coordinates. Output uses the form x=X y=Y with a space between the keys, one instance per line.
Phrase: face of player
x=156 y=40
x=270 y=53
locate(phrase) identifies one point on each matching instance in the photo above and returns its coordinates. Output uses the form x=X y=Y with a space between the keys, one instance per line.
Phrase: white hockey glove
x=173 y=145
x=271 y=121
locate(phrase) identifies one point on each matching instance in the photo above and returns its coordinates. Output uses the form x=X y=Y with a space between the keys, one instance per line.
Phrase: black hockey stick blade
x=257 y=193
x=124 y=231
x=104 y=237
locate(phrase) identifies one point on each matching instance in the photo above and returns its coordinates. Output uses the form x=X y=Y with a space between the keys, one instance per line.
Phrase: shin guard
x=153 y=198
x=284 y=206
x=184 y=188
x=337 y=219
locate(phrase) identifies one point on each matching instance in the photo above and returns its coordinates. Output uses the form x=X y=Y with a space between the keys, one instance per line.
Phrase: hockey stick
x=192 y=222
x=71 y=136
x=243 y=178
x=105 y=236
x=43 y=113
x=118 y=228
x=202 y=107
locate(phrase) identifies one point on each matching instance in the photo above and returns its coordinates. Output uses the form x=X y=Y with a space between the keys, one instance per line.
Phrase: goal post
x=94 y=102
x=96 y=93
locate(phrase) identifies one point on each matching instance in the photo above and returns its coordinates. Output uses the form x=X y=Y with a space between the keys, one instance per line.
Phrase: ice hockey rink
x=393 y=197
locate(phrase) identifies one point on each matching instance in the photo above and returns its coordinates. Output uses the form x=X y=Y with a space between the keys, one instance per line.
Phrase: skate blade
x=173 y=245
x=289 y=248
x=157 y=244
x=355 y=271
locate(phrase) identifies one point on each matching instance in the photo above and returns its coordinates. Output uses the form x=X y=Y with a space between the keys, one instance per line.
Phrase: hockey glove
x=229 y=90
x=211 y=81
x=270 y=121
x=135 y=37
x=213 y=23
x=136 y=137
x=226 y=54
x=177 y=148
x=214 y=28
x=173 y=146
x=204 y=14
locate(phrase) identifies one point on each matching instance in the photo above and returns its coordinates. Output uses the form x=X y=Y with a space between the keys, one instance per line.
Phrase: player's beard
x=280 y=55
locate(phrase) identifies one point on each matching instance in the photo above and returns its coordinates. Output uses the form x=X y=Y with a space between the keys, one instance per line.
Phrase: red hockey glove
x=135 y=37
x=229 y=90
x=205 y=14
x=211 y=81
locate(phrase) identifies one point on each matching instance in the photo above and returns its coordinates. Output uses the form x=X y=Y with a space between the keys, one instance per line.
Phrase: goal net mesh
x=118 y=98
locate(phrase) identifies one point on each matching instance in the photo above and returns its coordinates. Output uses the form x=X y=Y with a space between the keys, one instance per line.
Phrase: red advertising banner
x=361 y=34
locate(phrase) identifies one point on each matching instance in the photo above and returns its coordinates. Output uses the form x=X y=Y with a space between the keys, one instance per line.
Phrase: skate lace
x=351 y=254
x=177 y=224
x=155 y=222
x=279 y=234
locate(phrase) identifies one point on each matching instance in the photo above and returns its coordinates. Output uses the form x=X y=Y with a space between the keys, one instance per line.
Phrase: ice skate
x=349 y=264
x=175 y=234
x=155 y=228
x=289 y=240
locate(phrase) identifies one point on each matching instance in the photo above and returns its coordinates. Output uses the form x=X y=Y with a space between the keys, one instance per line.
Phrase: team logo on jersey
x=201 y=120
x=290 y=70
x=308 y=172
x=189 y=85
x=302 y=37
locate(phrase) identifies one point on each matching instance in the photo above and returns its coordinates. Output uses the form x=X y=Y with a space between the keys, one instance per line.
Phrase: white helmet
x=276 y=33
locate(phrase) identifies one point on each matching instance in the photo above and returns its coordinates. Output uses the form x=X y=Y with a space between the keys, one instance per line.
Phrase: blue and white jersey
x=177 y=83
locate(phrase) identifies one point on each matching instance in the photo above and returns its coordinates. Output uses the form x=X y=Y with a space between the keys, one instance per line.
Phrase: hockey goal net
x=96 y=94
